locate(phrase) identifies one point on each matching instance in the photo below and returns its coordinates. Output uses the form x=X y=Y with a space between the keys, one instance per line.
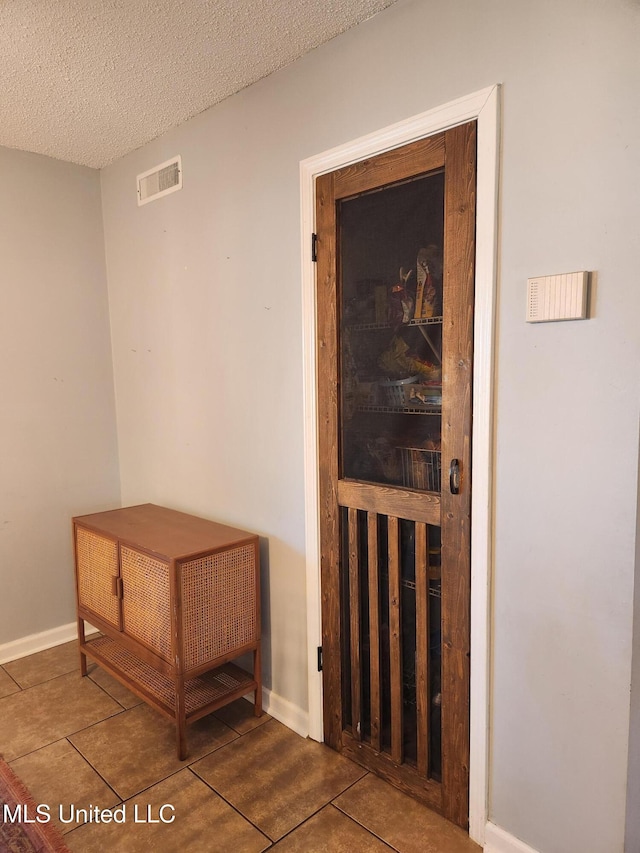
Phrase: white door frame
x=484 y=107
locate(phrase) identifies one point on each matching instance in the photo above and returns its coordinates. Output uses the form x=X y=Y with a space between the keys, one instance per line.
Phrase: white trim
x=482 y=462
x=26 y=646
x=483 y=106
x=497 y=840
x=281 y=709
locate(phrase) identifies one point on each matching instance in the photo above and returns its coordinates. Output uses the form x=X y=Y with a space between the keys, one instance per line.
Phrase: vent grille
x=159 y=181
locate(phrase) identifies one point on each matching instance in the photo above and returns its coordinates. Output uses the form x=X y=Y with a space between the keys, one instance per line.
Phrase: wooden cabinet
x=177 y=599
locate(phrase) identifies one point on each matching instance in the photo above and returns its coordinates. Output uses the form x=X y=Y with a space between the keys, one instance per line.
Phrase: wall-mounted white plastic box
x=557 y=297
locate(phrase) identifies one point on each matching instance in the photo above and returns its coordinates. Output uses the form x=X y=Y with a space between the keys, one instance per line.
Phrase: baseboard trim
x=498 y=840
x=40 y=642
x=284 y=711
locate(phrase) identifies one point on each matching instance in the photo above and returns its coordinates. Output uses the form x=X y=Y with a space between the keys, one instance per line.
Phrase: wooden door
x=395 y=280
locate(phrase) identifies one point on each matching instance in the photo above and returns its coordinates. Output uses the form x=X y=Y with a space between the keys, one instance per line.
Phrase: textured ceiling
x=90 y=80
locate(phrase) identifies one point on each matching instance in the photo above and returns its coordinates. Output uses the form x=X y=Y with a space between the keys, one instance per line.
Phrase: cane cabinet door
x=395 y=278
x=146 y=606
x=98 y=570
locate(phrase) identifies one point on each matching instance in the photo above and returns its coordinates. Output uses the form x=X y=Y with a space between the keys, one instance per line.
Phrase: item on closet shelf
x=401 y=308
x=429 y=277
x=397 y=361
x=427 y=395
x=396 y=392
x=411 y=394
x=420 y=468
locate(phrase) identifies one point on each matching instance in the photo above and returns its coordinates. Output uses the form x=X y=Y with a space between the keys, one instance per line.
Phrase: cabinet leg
x=181 y=719
x=81 y=642
x=181 y=740
x=257 y=675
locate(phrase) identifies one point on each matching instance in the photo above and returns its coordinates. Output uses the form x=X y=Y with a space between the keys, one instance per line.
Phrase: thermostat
x=557 y=297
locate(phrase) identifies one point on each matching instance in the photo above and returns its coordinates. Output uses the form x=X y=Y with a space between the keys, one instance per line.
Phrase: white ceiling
x=90 y=80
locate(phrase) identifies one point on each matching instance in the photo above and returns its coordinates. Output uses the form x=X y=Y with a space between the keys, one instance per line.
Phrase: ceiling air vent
x=161 y=180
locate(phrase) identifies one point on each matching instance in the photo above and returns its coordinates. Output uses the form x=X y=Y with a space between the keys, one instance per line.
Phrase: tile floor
x=248 y=785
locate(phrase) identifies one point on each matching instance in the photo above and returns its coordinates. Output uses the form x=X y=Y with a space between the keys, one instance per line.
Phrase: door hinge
x=319 y=658
x=314 y=248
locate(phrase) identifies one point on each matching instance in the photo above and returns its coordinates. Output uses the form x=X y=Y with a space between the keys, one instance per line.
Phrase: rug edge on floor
x=27 y=837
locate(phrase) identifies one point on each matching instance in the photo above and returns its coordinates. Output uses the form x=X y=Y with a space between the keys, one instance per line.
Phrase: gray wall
x=205 y=302
x=57 y=417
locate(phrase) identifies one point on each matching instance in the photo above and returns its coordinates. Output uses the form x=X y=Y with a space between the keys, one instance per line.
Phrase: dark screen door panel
x=395 y=314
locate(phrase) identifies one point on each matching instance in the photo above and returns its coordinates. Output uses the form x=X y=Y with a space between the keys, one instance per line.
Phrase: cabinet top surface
x=166 y=532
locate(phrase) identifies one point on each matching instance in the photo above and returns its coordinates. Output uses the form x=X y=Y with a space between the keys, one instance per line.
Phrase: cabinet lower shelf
x=202 y=694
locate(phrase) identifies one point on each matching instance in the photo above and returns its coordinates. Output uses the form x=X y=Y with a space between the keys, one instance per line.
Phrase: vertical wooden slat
x=395 y=641
x=374 y=629
x=422 y=647
x=354 y=622
x=329 y=520
x=457 y=332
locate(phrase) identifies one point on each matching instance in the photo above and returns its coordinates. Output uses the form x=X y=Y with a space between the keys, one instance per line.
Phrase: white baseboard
x=285 y=712
x=497 y=840
x=38 y=642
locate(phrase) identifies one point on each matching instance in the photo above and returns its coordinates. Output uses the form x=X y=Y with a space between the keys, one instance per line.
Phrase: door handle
x=454 y=476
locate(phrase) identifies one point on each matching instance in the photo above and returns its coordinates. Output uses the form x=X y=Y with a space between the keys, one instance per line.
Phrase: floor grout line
x=366 y=828
x=370 y=831
x=231 y=805
x=38 y=683
x=95 y=769
x=9 y=676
